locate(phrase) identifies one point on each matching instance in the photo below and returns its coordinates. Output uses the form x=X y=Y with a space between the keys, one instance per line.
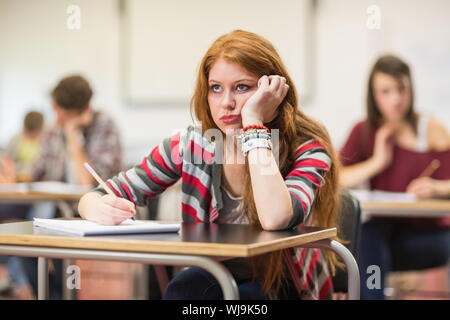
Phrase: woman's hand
x=384 y=146
x=427 y=187
x=262 y=106
x=107 y=209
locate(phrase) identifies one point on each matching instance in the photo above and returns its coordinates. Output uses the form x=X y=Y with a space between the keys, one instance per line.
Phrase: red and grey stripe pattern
x=189 y=155
x=311 y=164
x=309 y=271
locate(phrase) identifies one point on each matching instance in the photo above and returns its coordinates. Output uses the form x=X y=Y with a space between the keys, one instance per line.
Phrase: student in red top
x=241 y=84
x=390 y=150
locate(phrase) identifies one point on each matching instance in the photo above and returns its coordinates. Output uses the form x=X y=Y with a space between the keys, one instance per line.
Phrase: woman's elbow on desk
x=272 y=222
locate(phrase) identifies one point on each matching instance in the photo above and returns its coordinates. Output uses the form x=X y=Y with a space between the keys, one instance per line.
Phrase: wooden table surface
x=427 y=205
x=430 y=208
x=221 y=240
x=38 y=196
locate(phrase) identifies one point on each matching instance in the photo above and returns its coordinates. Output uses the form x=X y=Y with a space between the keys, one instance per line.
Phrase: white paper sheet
x=383 y=196
x=89 y=228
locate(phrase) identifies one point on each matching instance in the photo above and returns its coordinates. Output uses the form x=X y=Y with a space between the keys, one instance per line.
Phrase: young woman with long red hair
x=242 y=86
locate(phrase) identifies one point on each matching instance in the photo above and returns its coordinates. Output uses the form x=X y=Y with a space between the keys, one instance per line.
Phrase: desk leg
x=43 y=278
x=67 y=212
x=349 y=261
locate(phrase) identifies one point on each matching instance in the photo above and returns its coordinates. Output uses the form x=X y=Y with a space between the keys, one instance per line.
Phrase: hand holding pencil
x=107 y=209
x=424 y=186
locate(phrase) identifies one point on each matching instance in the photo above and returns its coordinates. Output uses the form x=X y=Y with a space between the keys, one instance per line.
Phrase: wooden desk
x=197 y=244
x=62 y=201
x=35 y=196
x=430 y=208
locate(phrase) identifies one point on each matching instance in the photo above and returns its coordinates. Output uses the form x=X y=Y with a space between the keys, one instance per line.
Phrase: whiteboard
x=163 y=42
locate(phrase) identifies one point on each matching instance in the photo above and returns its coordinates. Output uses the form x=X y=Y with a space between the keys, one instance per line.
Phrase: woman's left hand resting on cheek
x=262 y=106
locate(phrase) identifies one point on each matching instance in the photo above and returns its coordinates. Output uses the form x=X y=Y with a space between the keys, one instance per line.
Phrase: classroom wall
x=37 y=49
x=418 y=31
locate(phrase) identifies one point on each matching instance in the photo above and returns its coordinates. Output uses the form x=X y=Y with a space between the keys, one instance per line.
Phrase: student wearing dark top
x=390 y=150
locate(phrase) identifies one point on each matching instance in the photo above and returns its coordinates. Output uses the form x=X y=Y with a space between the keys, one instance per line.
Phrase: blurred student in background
x=80 y=134
x=23 y=149
x=391 y=150
x=17 y=160
x=25 y=146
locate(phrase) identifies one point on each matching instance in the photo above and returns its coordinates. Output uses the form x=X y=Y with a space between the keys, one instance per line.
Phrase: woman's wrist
x=249 y=120
x=375 y=166
x=442 y=188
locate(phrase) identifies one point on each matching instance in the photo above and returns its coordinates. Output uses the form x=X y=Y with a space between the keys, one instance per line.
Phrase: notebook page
x=86 y=228
x=383 y=196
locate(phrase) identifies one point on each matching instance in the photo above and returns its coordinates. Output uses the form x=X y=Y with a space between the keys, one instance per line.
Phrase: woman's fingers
x=109 y=220
x=112 y=216
x=114 y=210
x=263 y=81
x=274 y=83
x=285 y=90
x=422 y=187
x=119 y=203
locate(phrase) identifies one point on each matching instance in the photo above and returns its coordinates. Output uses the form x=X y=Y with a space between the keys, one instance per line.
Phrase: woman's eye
x=242 y=87
x=215 y=88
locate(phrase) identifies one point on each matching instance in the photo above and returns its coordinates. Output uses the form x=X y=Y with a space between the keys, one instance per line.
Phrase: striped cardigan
x=189 y=155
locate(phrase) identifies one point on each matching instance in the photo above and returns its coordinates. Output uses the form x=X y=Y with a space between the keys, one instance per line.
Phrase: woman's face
x=230 y=86
x=392 y=95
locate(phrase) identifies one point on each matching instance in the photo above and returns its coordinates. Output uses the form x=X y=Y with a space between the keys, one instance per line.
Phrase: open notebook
x=383 y=196
x=89 y=228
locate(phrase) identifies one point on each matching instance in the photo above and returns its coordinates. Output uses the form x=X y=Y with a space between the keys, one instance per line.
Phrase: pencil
x=432 y=167
x=100 y=181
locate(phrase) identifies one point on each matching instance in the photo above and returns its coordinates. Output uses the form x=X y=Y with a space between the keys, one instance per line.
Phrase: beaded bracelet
x=254 y=126
x=256 y=143
x=253 y=131
x=247 y=137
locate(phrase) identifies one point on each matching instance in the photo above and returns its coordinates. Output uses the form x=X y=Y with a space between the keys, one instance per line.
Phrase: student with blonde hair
x=230 y=172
